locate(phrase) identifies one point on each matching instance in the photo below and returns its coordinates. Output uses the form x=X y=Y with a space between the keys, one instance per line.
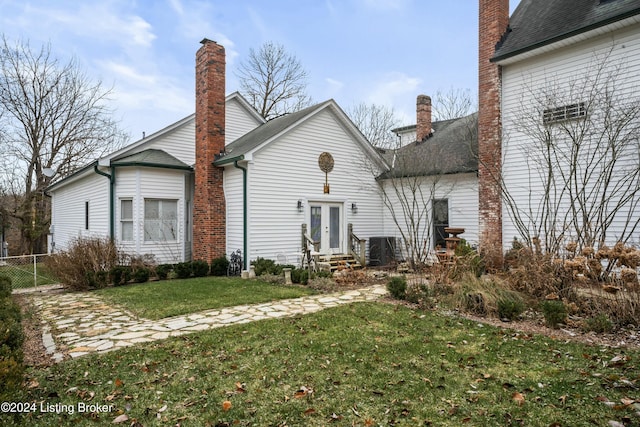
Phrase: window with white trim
x=126 y=220
x=160 y=220
x=566 y=112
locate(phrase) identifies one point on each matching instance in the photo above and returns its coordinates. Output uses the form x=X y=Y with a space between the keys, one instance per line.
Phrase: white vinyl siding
x=238 y=121
x=234 y=214
x=461 y=192
x=559 y=70
x=180 y=143
x=69 y=204
x=286 y=171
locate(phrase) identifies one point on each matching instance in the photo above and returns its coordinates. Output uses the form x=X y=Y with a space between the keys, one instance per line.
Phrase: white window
x=160 y=220
x=126 y=220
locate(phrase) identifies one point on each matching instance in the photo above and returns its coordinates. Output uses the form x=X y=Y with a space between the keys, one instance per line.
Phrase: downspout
x=112 y=181
x=244 y=214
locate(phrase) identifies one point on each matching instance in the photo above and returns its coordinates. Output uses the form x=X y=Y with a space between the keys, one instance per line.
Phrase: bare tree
x=53 y=119
x=375 y=122
x=423 y=173
x=274 y=81
x=452 y=104
x=581 y=145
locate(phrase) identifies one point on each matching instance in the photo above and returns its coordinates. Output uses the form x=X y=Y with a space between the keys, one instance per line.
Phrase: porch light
x=354 y=208
x=300 y=208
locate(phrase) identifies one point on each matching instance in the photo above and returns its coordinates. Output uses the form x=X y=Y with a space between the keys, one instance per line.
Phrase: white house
x=142 y=194
x=223 y=180
x=559 y=121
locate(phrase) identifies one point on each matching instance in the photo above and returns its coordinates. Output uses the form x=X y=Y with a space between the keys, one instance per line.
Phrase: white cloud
x=127 y=73
x=197 y=21
x=176 y=5
x=334 y=87
x=393 y=86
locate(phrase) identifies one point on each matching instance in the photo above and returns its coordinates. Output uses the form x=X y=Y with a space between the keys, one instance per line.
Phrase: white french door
x=326 y=226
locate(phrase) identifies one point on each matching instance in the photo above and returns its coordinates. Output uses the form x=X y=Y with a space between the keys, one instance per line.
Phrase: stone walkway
x=76 y=324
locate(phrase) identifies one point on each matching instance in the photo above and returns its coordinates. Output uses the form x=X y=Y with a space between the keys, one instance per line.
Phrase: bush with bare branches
x=86 y=264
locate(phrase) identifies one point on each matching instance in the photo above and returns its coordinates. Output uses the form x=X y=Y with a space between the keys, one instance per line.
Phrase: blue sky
x=374 y=51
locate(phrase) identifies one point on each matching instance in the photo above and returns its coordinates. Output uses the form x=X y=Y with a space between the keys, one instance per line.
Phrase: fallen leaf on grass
x=518 y=398
x=335 y=417
x=310 y=411
x=240 y=387
x=302 y=392
x=121 y=418
x=118 y=382
x=226 y=405
x=626 y=401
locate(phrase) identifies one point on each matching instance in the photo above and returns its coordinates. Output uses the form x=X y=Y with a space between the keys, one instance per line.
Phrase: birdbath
x=452 y=242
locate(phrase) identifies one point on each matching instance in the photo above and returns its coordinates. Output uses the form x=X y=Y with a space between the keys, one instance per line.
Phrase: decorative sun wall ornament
x=325 y=161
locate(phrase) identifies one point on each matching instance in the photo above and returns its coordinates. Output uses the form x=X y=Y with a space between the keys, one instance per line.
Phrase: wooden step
x=343 y=261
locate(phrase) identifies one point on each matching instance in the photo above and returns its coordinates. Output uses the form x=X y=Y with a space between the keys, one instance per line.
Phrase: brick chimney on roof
x=209 y=207
x=423 y=117
x=493 y=22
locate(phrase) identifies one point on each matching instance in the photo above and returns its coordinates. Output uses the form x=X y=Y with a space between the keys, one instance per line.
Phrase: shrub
x=322 y=274
x=11 y=335
x=476 y=303
x=5 y=286
x=120 y=275
x=11 y=371
x=554 y=312
x=397 y=287
x=599 y=324
x=467 y=260
x=11 y=339
x=219 y=266
x=538 y=275
x=265 y=265
x=277 y=279
x=200 y=268
x=141 y=275
x=323 y=284
x=141 y=267
x=77 y=266
x=163 y=270
x=299 y=275
x=510 y=307
x=420 y=294
x=97 y=279
x=183 y=270
x=479 y=295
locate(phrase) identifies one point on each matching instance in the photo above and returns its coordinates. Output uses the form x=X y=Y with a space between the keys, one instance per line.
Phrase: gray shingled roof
x=453 y=148
x=151 y=158
x=536 y=23
x=265 y=132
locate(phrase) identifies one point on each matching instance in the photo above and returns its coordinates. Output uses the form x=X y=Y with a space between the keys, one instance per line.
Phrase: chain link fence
x=26 y=271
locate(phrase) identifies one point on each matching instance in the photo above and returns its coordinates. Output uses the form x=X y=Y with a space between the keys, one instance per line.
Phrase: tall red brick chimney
x=423 y=117
x=493 y=22
x=209 y=207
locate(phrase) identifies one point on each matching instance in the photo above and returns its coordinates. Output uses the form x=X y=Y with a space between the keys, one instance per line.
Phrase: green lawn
x=366 y=364
x=155 y=300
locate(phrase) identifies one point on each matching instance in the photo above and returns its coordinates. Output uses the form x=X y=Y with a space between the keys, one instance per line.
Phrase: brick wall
x=209 y=207
x=493 y=22
x=423 y=117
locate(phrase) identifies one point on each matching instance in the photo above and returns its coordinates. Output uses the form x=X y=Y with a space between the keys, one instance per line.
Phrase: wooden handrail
x=357 y=246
